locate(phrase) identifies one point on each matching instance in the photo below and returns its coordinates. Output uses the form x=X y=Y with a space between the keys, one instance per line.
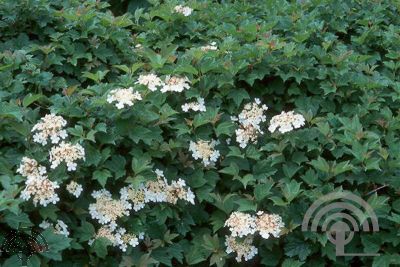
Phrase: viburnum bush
x=197 y=133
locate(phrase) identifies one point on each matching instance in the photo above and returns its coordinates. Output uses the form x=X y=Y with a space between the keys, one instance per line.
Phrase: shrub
x=169 y=121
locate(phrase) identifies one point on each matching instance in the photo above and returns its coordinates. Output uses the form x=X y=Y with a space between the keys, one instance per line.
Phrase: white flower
x=42 y=191
x=249 y=121
x=106 y=209
x=269 y=224
x=205 y=150
x=157 y=191
x=184 y=10
x=211 y=47
x=61 y=228
x=195 y=106
x=74 y=188
x=175 y=84
x=244 y=249
x=286 y=122
x=123 y=97
x=241 y=224
x=68 y=153
x=50 y=126
x=44 y=224
x=137 y=196
x=151 y=80
x=117 y=236
x=30 y=168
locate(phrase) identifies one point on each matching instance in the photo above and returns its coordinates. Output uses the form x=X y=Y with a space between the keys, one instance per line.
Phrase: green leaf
x=226 y=128
x=101 y=176
x=56 y=244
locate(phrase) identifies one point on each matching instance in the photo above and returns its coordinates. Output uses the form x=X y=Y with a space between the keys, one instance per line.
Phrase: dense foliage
x=334 y=62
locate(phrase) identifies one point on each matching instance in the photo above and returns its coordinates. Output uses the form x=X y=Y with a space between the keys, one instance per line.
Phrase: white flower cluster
x=175 y=84
x=123 y=97
x=68 y=153
x=42 y=191
x=184 y=10
x=50 y=126
x=269 y=224
x=106 y=209
x=205 y=150
x=151 y=80
x=286 y=122
x=74 y=188
x=37 y=185
x=244 y=249
x=249 y=121
x=195 y=106
x=242 y=225
x=118 y=237
x=30 y=168
x=157 y=191
x=211 y=47
x=59 y=228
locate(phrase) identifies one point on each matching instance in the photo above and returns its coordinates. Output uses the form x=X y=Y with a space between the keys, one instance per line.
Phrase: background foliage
x=335 y=62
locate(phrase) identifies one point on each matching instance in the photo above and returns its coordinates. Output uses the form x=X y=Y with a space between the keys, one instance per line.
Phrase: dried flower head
x=123 y=97
x=286 y=122
x=269 y=224
x=243 y=249
x=175 y=84
x=241 y=224
x=68 y=153
x=50 y=126
x=150 y=80
x=205 y=150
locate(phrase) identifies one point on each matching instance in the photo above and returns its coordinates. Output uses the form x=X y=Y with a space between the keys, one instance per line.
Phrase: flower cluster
x=184 y=10
x=157 y=191
x=242 y=225
x=106 y=209
x=37 y=185
x=205 y=150
x=117 y=236
x=68 y=153
x=74 y=188
x=50 y=126
x=244 y=249
x=286 y=122
x=249 y=121
x=59 y=228
x=123 y=97
x=211 y=47
x=151 y=81
x=41 y=189
x=175 y=84
x=30 y=168
x=195 y=106
x=269 y=224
